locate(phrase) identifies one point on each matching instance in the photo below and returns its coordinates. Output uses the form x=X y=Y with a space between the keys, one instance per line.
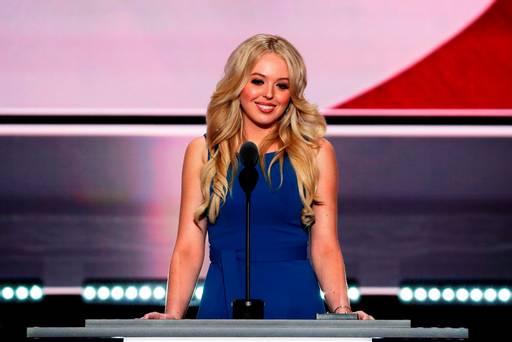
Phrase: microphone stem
x=247 y=248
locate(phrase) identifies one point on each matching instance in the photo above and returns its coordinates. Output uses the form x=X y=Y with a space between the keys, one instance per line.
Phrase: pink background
x=170 y=54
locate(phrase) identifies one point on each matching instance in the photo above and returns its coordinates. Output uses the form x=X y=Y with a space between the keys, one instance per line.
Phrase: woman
x=260 y=99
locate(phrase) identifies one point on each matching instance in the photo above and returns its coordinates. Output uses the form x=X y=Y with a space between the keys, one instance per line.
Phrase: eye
x=257 y=81
x=283 y=86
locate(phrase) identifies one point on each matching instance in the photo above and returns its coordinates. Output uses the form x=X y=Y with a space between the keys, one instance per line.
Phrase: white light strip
x=356 y=131
x=411 y=131
x=201 y=111
x=62 y=291
x=102 y=111
x=102 y=130
x=379 y=291
x=366 y=291
x=419 y=112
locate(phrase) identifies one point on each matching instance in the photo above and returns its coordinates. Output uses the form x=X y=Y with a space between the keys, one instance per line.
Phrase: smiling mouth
x=265 y=108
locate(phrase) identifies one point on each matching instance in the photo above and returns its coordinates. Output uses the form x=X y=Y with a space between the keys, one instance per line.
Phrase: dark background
x=73 y=208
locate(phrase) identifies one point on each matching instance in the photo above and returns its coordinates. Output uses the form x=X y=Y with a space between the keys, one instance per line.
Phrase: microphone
x=249 y=176
x=248 y=308
x=249 y=154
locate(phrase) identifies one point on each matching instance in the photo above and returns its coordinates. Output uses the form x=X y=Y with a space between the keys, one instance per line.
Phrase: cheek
x=246 y=98
x=248 y=94
x=284 y=98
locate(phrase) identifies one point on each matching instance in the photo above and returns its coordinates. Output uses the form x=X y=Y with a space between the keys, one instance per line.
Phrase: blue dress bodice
x=281 y=273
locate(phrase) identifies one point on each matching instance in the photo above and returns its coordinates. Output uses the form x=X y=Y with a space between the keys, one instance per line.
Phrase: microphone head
x=249 y=154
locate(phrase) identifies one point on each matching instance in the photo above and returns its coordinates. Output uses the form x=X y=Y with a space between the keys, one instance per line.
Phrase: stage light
x=354 y=294
x=462 y=294
x=131 y=293
x=8 y=293
x=117 y=293
x=490 y=295
x=504 y=295
x=420 y=294
x=198 y=293
x=22 y=293
x=145 y=293
x=476 y=295
x=448 y=294
x=89 y=293
x=159 y=293
x=406 y=294
x=103 y=293
x=36 y=292
x=434 y=294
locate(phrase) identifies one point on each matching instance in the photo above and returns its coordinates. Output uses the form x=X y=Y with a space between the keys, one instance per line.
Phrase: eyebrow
x=257 y=73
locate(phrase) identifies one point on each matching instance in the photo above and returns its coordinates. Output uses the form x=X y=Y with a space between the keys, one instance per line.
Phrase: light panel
x=132 y=292
x=21 y=292
x=460 y=294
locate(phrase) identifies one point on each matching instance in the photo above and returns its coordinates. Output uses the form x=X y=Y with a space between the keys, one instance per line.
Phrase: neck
x=255 y=133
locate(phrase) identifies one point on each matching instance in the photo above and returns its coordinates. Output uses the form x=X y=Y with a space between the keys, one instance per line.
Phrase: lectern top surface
x=245 y=323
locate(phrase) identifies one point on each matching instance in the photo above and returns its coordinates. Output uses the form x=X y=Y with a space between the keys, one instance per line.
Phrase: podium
x=137 y=330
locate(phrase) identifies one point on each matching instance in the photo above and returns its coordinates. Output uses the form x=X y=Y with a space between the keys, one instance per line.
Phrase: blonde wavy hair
x=298 y=131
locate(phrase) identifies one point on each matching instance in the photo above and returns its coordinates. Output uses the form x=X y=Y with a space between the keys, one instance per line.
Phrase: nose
x=269 y=92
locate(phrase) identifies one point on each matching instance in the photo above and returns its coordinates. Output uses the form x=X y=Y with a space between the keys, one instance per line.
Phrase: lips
x=265 y=107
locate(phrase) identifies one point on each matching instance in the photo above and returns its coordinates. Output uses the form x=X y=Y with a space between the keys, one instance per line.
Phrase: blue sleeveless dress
x=281 y=273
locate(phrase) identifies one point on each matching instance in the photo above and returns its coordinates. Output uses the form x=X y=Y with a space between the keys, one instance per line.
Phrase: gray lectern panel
x=298 y=330
x=279 y=323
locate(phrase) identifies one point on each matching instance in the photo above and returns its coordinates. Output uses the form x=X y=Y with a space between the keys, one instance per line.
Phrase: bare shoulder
x=326 y=154
x=196 y=150
x=328 y=173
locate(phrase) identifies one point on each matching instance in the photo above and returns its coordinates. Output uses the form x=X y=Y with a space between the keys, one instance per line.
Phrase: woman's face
x=267 y=94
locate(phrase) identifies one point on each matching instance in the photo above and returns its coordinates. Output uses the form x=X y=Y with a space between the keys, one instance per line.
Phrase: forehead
x=271 y=65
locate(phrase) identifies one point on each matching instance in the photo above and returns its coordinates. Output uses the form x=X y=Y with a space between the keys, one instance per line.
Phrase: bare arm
x=326 y=255
x=188 y=254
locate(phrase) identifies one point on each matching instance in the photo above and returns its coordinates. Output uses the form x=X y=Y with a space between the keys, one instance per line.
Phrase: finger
x=151 y=315
x=363 y=315
x=367 y=317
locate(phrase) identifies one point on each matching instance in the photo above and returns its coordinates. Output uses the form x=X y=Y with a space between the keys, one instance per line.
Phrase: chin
x=268 y=122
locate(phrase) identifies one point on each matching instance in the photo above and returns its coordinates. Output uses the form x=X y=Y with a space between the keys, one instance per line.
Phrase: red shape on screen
x=472 y=70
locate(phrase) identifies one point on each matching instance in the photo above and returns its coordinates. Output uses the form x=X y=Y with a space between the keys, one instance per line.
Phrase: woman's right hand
x=157 y=315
